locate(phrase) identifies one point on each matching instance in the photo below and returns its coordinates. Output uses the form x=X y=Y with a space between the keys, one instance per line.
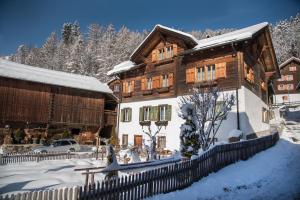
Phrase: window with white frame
x=116 y=88
x=200 y=74
x=149 y=83
x=129 y=86
x=165 y=82
x=162 y=112
x=161 y=53
x=126 y=115
x=293 y=68
x=169 y=51
x=147 y=113
x=290 y=86
x=211 y=72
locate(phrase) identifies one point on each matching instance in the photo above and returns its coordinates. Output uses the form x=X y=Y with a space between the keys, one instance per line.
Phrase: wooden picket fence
x=36 y=157
x=176 y=176
x=161 y=180
x=56 y=194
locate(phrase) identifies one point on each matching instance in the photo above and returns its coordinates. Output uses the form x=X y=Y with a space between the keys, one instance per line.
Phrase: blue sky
x=31 y=21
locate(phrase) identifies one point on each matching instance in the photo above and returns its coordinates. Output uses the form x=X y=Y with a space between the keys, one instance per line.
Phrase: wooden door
x=138 y=140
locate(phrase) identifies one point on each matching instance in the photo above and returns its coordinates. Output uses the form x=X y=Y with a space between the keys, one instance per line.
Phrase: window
x=265 y=115
x=289 y=86
x=211 y=72
x=161 y=142
x=161 y=53
x=286 y=78
x=169 y=51
x=293 y=69
x=281 y=87
x=289 y=77
x=126 y=114
x=124 y=140
x=116 y=88
x=165 y=82
x=162 y=112
x=147 y=113
x=149 y=83
x=200 y=74
x=129 y=87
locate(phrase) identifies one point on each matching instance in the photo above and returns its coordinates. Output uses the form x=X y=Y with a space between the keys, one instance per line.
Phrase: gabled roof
x=159 y=27
x=18 y=71
x=288 y=61
x=234 y=36
x=227 y=38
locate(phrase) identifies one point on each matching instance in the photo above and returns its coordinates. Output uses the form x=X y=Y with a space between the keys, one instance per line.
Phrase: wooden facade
x=250 y=63
x=53 y=109
x=290 y=77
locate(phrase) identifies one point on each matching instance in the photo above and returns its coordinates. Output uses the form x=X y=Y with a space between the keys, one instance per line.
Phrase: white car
x=63 y=145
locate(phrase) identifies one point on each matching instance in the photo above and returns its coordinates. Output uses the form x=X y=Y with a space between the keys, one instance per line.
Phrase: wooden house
x=287 y=86
x=169 y=63
x=53 y=101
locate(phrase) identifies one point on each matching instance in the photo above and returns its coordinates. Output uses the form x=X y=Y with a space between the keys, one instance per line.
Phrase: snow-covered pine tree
x=189 y=144
x=48 y=51
x=22 y=54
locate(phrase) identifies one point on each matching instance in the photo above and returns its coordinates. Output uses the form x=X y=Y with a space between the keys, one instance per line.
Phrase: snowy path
x=272 y=174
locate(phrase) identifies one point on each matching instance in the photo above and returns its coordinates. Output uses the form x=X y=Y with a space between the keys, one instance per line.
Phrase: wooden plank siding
x=34 y=103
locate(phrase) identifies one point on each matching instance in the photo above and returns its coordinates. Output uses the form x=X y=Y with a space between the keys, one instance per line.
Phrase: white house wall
x=251 y=106
x=250 y=119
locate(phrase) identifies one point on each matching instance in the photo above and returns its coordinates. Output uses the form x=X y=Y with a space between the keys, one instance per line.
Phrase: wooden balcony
x=126 y=95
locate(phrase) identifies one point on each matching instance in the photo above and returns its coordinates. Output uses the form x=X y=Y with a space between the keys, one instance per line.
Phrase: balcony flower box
x=163 y=89
x=147 y=92
x=126 y=95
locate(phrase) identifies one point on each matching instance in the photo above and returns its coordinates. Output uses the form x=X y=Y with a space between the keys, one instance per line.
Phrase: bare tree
x=152 y=135
x=204 y=112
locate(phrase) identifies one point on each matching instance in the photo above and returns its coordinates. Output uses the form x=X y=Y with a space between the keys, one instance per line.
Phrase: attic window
x=169 y=52
x=161 y=53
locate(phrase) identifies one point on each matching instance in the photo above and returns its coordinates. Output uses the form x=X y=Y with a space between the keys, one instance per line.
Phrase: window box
x=163 y=89
x=161 y=123
x=126 y=95
x=145 y=123
x=147 y=92
x=162 y=62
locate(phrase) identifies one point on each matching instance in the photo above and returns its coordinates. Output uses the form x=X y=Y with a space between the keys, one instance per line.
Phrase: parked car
x=63 y=145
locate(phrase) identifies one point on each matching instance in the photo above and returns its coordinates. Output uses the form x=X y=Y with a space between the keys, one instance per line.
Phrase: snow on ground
x=272 y=174
x=29 y=176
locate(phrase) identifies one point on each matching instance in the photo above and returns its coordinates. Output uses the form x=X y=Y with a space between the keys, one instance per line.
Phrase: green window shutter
x=154 y=113
x=169 y=113
x=129 y=114
x=141 y=117
x=122 y=115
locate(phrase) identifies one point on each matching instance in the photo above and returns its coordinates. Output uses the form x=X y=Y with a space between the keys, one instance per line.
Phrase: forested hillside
x=97 y=51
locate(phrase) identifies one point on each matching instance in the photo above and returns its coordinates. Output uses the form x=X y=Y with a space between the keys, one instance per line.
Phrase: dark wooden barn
x=34 y=98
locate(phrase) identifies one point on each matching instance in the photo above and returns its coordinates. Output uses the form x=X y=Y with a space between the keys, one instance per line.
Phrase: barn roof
x=18 y=71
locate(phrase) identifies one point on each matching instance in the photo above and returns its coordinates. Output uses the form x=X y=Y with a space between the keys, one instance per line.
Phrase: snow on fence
x=57 y=194
x=161 y=180
x=176 y=176
x=36 y=157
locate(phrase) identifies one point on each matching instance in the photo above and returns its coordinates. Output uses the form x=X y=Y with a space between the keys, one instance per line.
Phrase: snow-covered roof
x=18 y=71
x=122 y=67
x=234 y=36
x=159 y=26
x=288 y=61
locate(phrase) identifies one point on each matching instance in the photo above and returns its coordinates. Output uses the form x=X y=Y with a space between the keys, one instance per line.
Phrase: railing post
x=87 y=178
